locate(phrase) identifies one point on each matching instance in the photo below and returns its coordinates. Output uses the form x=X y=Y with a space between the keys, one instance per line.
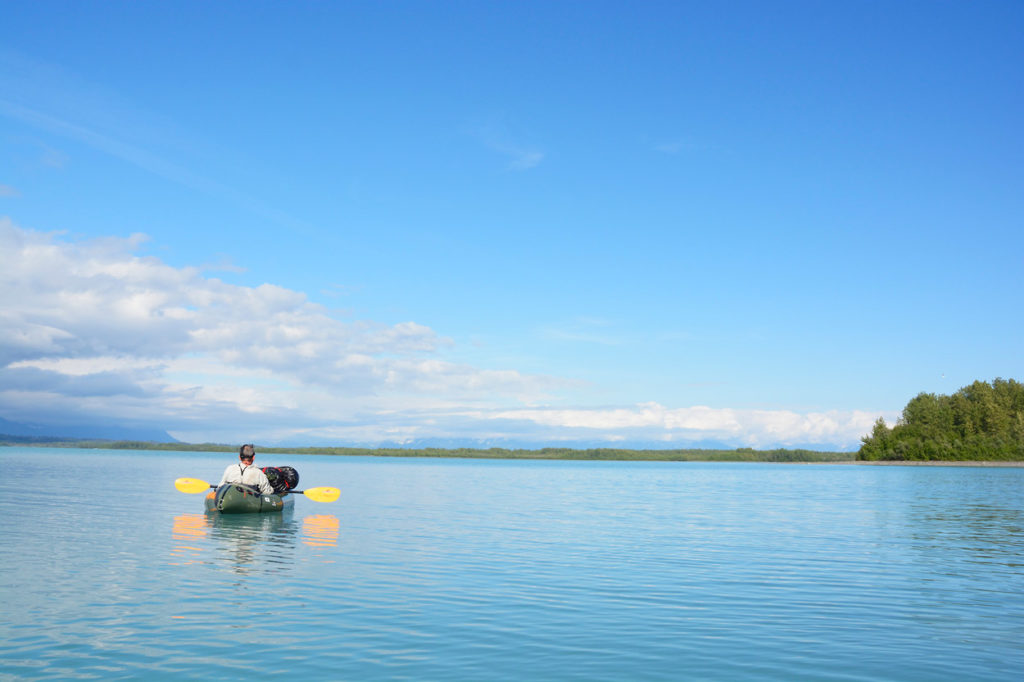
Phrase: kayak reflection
x=255 y=541
x=250 y=543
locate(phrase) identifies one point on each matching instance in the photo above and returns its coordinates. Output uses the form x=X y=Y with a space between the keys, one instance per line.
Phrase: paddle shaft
x=319 y=494
x=315 y=494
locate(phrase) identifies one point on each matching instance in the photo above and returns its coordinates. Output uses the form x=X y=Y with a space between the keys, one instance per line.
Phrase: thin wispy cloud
x=520 y=156
x=53 y=100
x=225 y=264
x=669 y=147
x=103 y=142
x=52 y=158
x=681 y=145
x=524 y=159
x=8 y=191
x=583 y=330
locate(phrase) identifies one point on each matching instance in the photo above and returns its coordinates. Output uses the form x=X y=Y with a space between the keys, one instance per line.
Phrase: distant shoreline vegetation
x=983 y=422
x=590 y=454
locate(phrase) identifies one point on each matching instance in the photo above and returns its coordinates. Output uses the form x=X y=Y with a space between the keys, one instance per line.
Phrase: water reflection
x=986 y=533
x=188 y=532
x=250 y=542
x=255 y=541
x=321 y=530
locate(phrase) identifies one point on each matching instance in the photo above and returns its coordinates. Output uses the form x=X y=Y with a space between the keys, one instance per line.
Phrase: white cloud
x=94 y=332
x=651 y=421
x=94 y=314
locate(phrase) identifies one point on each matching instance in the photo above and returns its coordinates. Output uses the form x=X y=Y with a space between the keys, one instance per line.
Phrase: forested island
x=980 y=422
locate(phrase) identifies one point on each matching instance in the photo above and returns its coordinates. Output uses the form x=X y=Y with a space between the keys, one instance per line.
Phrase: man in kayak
x=245 y=472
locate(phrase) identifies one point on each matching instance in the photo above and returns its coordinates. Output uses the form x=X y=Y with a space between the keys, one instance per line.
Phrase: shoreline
x=739 y=456
x=940 y=463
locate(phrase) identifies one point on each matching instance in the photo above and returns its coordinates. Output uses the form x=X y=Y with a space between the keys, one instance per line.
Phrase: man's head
x=247 y=453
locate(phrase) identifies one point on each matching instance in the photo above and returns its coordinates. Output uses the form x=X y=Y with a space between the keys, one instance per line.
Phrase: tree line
x=550 y=453
x=983 y=421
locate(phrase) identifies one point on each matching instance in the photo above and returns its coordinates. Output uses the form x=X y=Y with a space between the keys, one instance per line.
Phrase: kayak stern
x=235 y=498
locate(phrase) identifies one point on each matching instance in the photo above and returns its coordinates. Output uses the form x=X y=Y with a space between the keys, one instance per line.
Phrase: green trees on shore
x=604 y=454
x=983 y=421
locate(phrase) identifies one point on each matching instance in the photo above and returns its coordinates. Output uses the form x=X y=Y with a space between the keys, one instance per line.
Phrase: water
x=497 y=570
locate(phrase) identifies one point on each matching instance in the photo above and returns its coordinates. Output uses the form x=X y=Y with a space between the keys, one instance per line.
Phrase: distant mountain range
x=84 y=432
x=117 y=432
x=520 y=444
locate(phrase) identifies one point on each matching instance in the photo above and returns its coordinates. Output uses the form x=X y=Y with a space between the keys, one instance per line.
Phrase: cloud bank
x=93 y=332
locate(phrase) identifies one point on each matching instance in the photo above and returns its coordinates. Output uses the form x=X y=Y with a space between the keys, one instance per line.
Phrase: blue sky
x=543 y=223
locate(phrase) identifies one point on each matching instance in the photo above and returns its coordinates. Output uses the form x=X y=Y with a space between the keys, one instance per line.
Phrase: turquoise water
x=492 y=570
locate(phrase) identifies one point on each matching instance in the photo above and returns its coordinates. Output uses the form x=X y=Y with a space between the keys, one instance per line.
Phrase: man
x=245 y=472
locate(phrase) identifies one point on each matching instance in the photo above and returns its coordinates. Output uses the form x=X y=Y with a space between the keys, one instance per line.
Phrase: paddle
x=321 y=494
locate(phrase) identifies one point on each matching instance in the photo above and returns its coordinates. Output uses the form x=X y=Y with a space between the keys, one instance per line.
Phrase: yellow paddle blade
x=322 y=494
x=191 y=485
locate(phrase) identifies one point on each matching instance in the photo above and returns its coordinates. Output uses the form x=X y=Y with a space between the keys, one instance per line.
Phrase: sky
x=655 y=224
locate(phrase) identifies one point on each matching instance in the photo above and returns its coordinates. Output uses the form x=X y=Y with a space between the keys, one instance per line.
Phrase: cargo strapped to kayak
x=282 y=479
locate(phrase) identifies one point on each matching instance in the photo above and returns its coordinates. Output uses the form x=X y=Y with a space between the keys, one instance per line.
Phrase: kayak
x=238 y=498
x=243 y=498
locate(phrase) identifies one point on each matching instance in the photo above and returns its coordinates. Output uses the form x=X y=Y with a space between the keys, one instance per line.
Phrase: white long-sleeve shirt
x=249 y=475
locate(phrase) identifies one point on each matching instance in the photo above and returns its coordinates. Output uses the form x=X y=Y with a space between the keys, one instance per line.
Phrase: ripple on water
x=517 y=571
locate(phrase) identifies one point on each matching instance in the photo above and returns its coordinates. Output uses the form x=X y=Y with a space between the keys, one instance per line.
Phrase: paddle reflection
x=252 y=543
x=321 y=530
x=188 y=533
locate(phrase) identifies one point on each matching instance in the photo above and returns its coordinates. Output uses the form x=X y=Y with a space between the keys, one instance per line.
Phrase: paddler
x=245 y=472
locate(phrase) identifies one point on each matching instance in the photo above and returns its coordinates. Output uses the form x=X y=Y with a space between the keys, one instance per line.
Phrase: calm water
x=481 y=570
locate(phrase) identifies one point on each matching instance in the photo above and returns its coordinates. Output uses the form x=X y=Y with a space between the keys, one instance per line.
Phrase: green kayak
x=237 y=498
